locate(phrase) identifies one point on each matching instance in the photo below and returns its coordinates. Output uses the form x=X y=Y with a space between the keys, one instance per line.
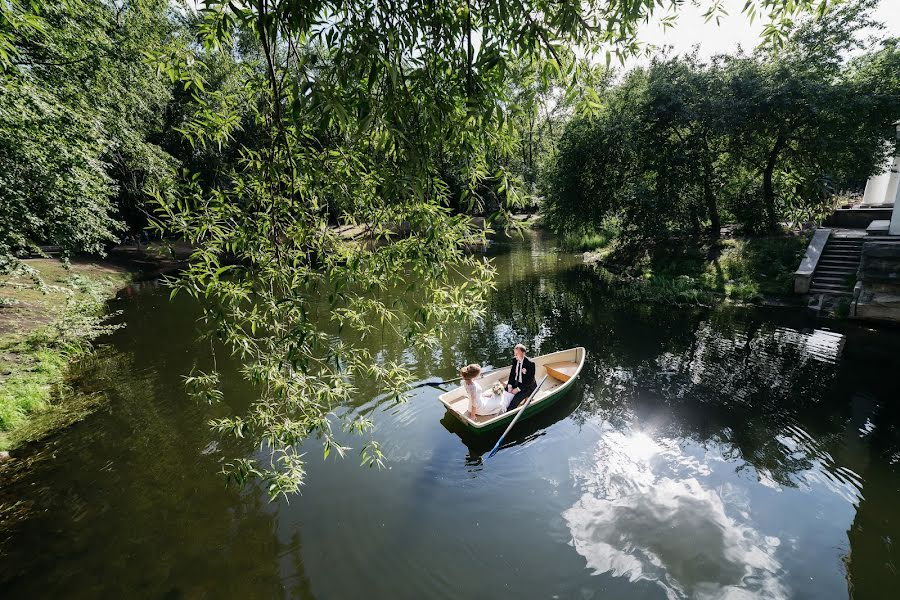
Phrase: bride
x=481 y=402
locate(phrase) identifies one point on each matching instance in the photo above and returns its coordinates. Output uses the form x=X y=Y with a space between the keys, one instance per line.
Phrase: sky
x=735 y=30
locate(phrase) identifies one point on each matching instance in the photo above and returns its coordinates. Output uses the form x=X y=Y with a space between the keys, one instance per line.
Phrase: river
x=719 y=452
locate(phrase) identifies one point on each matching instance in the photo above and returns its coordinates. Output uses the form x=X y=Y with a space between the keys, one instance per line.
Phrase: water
x=704 y=453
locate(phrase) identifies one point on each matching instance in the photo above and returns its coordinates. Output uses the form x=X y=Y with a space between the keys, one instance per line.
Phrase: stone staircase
x=836 y=271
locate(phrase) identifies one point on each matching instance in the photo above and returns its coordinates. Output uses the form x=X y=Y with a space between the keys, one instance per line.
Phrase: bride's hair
x=470 y=372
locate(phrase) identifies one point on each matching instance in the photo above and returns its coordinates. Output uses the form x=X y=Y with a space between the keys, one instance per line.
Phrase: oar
x=516 y=418
x=439 y=383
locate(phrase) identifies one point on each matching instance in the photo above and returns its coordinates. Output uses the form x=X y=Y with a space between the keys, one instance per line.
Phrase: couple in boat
x=498 y=400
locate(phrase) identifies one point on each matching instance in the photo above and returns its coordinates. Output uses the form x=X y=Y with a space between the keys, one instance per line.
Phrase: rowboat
x=561 y=369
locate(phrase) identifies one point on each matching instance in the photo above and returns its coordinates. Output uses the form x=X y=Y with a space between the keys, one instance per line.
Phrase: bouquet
x=497 y=388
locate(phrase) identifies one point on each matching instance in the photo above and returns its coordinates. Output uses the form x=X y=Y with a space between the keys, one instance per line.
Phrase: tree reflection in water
x=762 y=392
x=702 y=453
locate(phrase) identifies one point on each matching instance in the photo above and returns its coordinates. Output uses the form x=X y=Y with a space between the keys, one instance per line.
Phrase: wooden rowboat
x=561 y=368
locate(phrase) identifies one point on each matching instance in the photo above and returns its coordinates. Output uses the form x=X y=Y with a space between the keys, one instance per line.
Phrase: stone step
x=819 y=289
x=829 y=270
x=830 y=292
x=841 y=253
x=841 y=277
x=832 y=285
x=838 y=281
x=841 y=263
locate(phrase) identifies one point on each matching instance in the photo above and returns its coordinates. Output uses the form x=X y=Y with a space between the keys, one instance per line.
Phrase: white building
x=883 y=190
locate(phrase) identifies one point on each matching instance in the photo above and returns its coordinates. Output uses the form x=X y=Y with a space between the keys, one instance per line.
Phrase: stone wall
x=877 y=294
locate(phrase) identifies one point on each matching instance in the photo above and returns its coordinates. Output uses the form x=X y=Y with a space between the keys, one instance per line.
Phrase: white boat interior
x=561 y=368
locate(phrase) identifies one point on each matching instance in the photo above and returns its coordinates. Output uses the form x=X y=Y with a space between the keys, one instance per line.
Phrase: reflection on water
x=525 y=432
x=703 y=453
x=649 y=512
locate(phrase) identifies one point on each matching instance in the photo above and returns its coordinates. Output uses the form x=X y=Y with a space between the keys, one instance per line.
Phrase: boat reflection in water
x=524 y=432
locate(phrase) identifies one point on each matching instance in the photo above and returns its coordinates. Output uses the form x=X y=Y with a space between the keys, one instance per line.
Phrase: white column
x=877 y=188
x=893 y=190
x=895 y=215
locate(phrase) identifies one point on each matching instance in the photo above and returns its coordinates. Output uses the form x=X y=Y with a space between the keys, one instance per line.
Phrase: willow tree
x=357 y=105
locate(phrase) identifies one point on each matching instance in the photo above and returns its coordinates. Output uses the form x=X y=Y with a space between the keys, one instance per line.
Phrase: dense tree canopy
x=393 y=118
x=756 y=139
x=78 y=103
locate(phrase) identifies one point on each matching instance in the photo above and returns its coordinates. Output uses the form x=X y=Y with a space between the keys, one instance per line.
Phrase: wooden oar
x=516 y=418
x=440 y=383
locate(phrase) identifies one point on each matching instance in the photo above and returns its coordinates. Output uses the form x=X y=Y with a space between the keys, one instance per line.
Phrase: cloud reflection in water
x=646 y=515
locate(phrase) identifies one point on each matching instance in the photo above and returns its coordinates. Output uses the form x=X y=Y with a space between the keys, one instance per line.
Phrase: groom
x=521 y=377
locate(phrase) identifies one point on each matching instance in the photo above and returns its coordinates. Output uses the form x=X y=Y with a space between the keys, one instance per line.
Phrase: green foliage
x=590 y=239
x=584 y=242
x=379 y=119
x=387 y=119
x=675 y=272
x=78 y=103
x=680 y=146
x=28 y=392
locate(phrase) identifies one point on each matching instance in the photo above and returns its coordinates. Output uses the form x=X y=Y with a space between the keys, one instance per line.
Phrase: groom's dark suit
x=522 y=378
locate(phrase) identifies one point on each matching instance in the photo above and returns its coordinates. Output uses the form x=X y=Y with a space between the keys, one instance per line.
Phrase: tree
x=79 y=101
x=809 y=126
x=651 y=156
x=355 y=110
x=757 y=138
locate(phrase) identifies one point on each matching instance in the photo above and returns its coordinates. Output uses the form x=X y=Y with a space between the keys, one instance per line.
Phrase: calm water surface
x=704 y=453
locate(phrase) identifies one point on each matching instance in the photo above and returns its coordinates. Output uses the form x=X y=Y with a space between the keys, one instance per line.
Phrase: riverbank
x=49 y=315
x=753 y=270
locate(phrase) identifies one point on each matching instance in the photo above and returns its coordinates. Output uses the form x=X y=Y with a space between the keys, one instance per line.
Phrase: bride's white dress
x=487 y=403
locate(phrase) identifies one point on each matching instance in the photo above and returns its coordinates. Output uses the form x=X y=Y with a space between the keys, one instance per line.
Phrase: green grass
x=585 y=242
x=27 y=391
x=591 y=240
x=686 y=272
x=47 y=323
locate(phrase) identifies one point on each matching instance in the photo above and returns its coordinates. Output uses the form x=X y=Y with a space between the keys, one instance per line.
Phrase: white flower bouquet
x=497 y=388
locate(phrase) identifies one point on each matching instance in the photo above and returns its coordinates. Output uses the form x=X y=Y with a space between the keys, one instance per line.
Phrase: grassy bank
x=690 y=271
x=599 y=240
x=49 y=315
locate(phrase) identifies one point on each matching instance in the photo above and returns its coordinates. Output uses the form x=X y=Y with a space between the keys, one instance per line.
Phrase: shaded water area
x=704 y=453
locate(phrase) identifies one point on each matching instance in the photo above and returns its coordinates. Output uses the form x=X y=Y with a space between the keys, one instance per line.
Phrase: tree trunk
x=768 y=185
x=712 y=208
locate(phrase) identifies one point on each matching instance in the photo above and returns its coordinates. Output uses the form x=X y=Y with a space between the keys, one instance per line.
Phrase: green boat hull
x=533 y=409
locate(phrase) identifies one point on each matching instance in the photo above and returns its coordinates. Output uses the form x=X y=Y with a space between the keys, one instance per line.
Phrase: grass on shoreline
x=599 y=240
x=46 y=322
x=681 y=271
